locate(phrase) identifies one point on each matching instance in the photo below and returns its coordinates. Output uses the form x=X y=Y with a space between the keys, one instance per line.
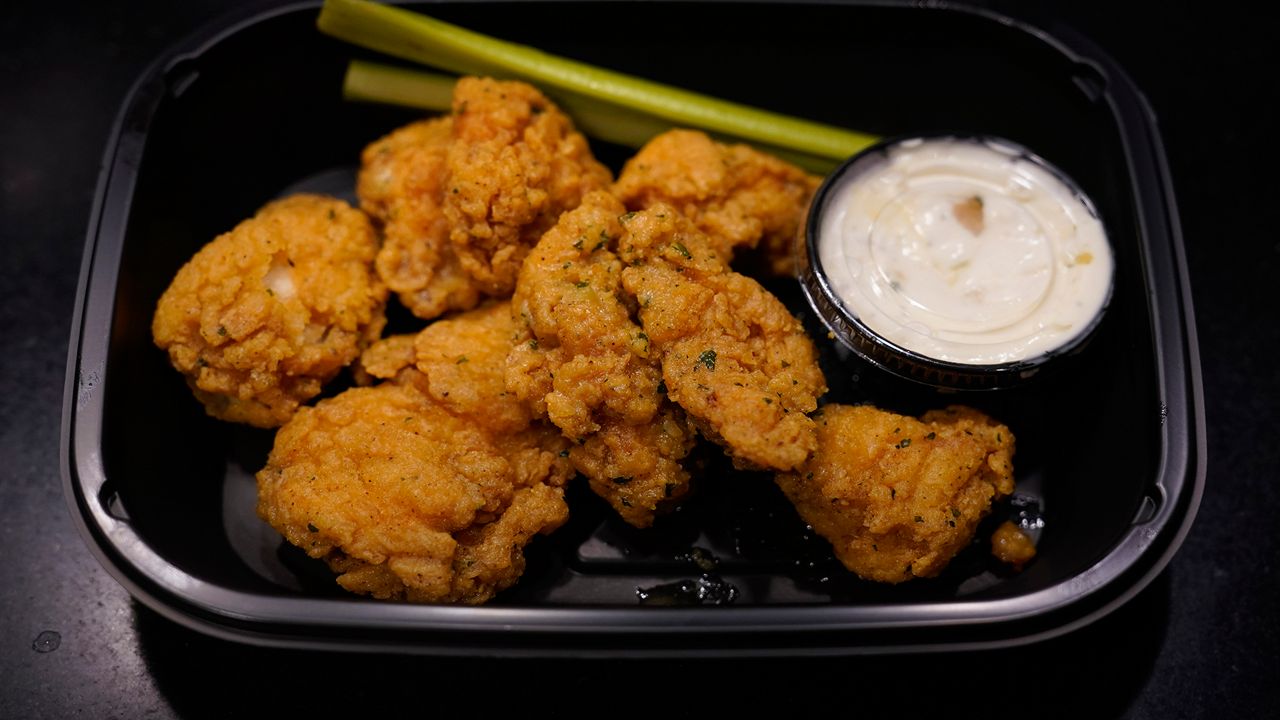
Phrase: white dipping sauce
x=964 y=251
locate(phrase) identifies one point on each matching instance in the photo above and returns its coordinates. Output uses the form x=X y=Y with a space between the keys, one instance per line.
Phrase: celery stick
x=376 y=82
x=423 y=39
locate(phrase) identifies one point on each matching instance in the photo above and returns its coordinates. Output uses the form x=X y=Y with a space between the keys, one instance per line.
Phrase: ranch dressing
x=964 y=251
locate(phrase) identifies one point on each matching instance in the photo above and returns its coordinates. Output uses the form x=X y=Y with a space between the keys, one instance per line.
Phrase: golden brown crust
x=261 y=317
x=738 y=196
x=733 y=357
x=398 y=496
x=462 y=199
x=515 y=164
x=464 y=360
x=583 y=362
x=711 y=346
x=460 y=362
x=401 y=186
x=899 y=497
x=637 y=468
x=428 y=487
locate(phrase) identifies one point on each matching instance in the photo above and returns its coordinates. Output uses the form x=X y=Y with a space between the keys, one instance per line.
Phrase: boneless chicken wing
x=732 y=355
x=426 y=487
x=580 y=360
x=401 y=185
x=738 y=196
x=460 y=363
x=462 y=199
x=261 y=317
x=898 y=497
x=633 y=326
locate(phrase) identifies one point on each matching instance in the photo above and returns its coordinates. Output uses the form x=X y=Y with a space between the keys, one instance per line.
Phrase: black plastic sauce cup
x=872 y=346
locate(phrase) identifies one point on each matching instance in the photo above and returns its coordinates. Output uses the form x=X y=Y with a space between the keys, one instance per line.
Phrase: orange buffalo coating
x=739 y=196
x=427 y=487
x=580 y=360
x=733 y=356
x=898 y=497
x=461 y=199
x=261 y=317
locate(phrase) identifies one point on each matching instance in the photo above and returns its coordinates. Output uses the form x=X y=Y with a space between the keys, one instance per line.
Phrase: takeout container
x=1110 y=461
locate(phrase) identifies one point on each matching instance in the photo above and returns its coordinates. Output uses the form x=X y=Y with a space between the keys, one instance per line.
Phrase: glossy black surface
x=1202 y=639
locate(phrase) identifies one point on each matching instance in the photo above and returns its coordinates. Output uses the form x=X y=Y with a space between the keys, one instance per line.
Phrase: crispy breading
x=638 y=468
x=386 y=358
x=462 y=199
x=460 y=362
x=582 y=361
x=733 y=356
x=516 y=162
x=261 y=317
x=739 y=196
x=405 y=500
x=401 y=185
x=429 y=486
x=898 y=497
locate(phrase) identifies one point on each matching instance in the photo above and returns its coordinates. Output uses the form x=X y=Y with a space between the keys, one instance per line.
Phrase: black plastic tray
x=1110 y=461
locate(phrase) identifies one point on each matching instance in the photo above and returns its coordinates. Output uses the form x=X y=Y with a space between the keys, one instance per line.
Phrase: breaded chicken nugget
x=428 y=487
x=733 y=357
x=261 y=317
x=899 y=497
x=580 y=360
x=462 y=199
x=459 y=362
x=401 y=185
x=739 y=196
x=404 y=500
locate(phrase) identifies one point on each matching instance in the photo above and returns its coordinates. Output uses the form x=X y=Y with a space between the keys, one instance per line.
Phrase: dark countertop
x=1202 y=640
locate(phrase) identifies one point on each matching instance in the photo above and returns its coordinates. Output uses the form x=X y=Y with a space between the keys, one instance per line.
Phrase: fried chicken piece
x=899 y=497
x=386 y=359
x=515 y=164
x=428 y=487
x=462 y=199
x=580 y=360
x=460 y=363
x=405 y=500
x=726 y=353
x=739 y=196
x=733 y=357
x=638 y=469
x=401 y=185
x=261 y=317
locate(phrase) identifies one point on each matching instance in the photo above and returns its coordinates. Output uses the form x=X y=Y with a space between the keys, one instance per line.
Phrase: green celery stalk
x=419 y=38
x=375 y=82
